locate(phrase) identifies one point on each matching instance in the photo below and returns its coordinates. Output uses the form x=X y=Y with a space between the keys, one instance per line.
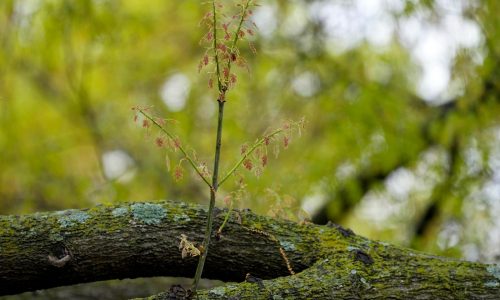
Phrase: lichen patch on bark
x=181 y=218
x=120 y=211
x=148 y=213
x=494 y=270
x=73 y=218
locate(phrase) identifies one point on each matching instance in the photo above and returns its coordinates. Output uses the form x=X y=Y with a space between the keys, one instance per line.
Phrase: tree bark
x=132 y=240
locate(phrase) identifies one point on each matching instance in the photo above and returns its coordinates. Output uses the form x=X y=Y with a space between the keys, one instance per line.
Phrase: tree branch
x=141 y=240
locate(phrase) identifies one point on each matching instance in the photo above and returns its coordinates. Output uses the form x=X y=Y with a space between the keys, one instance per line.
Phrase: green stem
x=216 y=54
x=226 y=218
x=213 y=191
x=221 y=100
x=183 y=151
x=248 y=153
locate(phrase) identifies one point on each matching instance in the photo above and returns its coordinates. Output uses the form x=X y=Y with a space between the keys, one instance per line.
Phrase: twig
x=242 y=159
x=184 y=152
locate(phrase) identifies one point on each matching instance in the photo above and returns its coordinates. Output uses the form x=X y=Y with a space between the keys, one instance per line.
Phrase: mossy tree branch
x=51 y=249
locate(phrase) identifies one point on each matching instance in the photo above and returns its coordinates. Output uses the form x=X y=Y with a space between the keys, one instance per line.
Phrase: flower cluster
x=256 y=157
x=170 y=142
x=221 y=41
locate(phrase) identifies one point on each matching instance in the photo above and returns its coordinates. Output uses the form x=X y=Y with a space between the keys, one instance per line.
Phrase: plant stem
x=216 y=54
x=221 y=100
x=213 y=192
x=226 y=218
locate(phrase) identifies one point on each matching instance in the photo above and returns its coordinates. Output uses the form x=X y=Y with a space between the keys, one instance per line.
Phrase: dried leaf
x=187 y=248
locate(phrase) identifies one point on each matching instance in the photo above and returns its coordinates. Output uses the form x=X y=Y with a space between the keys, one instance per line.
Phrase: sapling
x=222 y=52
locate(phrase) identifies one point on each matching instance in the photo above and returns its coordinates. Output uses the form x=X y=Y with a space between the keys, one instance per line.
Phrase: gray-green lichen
x=218 y=291
x=76 y=217
x=492 y=284
x=275 y=227
x=120 y=211
x=55 y=237
x=30 y=233
x=494 y=270
x=181 y=218
x=147 y=213
x=351 y=248
x=364 y=281
x=287 y=246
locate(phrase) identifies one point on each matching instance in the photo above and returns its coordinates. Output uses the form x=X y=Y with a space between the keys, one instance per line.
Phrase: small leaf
x=257 y=171
x=227 y=200
x=178 y=173
x=243 y=149
x=264 y=160
x=276 y=150
x=167 y=162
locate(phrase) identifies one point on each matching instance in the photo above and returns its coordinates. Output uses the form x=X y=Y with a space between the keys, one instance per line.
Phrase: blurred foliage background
x=401 y=98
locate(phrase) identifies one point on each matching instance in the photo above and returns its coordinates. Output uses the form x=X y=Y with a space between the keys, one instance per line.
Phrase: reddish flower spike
x=264 y=160
x=244 y=149
x=177 y=143
x=248 y=164
x=252 y=47
x=161 y=121
x=209 y=36
x=178 y=173
x=286 y=140
x=159 y=142
x=222 y=47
